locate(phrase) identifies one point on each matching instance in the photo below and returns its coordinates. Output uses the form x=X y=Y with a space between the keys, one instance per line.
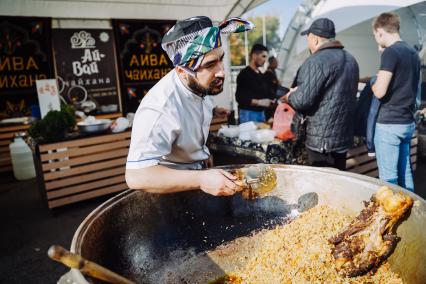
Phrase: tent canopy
x=217 y=10
x=353 y=27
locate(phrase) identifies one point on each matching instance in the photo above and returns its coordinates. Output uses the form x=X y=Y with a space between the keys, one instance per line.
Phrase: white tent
x=217 y=10
x=353 y=27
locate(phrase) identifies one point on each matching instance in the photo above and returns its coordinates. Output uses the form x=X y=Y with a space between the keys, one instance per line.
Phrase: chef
x=170 y=128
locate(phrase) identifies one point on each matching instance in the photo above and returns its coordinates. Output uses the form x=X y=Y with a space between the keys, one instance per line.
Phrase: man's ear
x=180 y=70
x=185 y=72
x=317 y=40
x=182 y=73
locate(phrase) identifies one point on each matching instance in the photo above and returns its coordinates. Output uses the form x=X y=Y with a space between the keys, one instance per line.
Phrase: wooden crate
x=6 y=136
x=81 y=169
x=357 y=160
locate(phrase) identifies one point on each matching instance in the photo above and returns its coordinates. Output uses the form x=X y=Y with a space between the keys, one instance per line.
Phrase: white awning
x=217 y=10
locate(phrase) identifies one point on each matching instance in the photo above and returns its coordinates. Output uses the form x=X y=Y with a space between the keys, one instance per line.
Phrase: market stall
x=100 y=63
x=103 y=67
x=100 y=70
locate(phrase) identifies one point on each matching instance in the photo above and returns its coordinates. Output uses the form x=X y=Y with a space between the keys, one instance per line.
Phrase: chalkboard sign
x=86 y=68
x=142 y=61
x=25 y=56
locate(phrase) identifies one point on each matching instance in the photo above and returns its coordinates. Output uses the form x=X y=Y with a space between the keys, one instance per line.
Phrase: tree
x=237 y=47
x=236 y=41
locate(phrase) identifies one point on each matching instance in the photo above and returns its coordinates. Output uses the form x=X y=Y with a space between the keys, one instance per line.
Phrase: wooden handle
x=87 y=267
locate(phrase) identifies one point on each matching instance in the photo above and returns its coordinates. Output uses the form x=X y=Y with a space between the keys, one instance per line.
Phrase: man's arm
x=382 y=83
x=388 y=63
x=160 y=179
x=311 y=79
x=286 y=97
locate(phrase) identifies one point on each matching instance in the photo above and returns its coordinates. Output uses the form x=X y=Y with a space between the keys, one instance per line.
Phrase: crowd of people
x=325 y=92
x=172 y=122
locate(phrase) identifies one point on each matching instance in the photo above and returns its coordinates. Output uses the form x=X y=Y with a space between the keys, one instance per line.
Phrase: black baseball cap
x=322 y=27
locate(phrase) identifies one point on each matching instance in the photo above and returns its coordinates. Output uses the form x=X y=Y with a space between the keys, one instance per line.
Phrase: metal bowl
x=100 y=125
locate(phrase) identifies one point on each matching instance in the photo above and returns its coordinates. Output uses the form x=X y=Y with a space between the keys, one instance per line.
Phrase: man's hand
x=284 y=98
x=264 y=102
x=220 y=112
x=218 y=182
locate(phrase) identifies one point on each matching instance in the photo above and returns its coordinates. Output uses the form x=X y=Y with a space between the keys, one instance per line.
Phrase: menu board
x=142 y=61
x=25 y=56
x=86 y=68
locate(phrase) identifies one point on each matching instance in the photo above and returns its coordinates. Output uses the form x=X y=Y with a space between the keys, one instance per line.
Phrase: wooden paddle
x=87 y=267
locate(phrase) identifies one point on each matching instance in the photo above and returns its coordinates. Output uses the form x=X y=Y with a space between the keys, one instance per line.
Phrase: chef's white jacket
x=170 y=127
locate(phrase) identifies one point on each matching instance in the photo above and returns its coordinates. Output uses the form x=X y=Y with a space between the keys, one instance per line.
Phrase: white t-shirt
x=170 y=127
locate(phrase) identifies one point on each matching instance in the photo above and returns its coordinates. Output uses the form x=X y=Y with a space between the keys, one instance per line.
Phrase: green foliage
x=272 y=25
x=238 y=54
x=54 y=126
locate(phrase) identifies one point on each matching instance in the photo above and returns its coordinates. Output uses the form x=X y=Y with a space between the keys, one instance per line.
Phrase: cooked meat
x=370 y=238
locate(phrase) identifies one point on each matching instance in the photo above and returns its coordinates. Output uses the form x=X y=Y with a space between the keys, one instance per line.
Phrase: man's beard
x=259 y=64
x=209 y=91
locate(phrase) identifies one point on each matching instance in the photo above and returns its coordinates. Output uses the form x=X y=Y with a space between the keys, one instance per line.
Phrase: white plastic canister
x=22 y=159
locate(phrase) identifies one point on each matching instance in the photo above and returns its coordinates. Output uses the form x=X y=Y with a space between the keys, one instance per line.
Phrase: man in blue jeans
x=396 y=87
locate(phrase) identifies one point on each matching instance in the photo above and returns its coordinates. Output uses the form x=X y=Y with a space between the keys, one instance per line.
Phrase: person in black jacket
x=252 y=91
x=327 y=84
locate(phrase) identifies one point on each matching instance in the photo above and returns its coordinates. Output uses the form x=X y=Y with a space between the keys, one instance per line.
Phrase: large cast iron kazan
x=153 y=238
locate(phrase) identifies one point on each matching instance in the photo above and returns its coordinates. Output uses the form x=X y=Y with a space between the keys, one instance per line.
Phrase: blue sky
x=284 y=9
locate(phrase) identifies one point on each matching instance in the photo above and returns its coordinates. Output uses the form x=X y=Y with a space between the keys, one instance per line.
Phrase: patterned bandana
x=187 y=41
